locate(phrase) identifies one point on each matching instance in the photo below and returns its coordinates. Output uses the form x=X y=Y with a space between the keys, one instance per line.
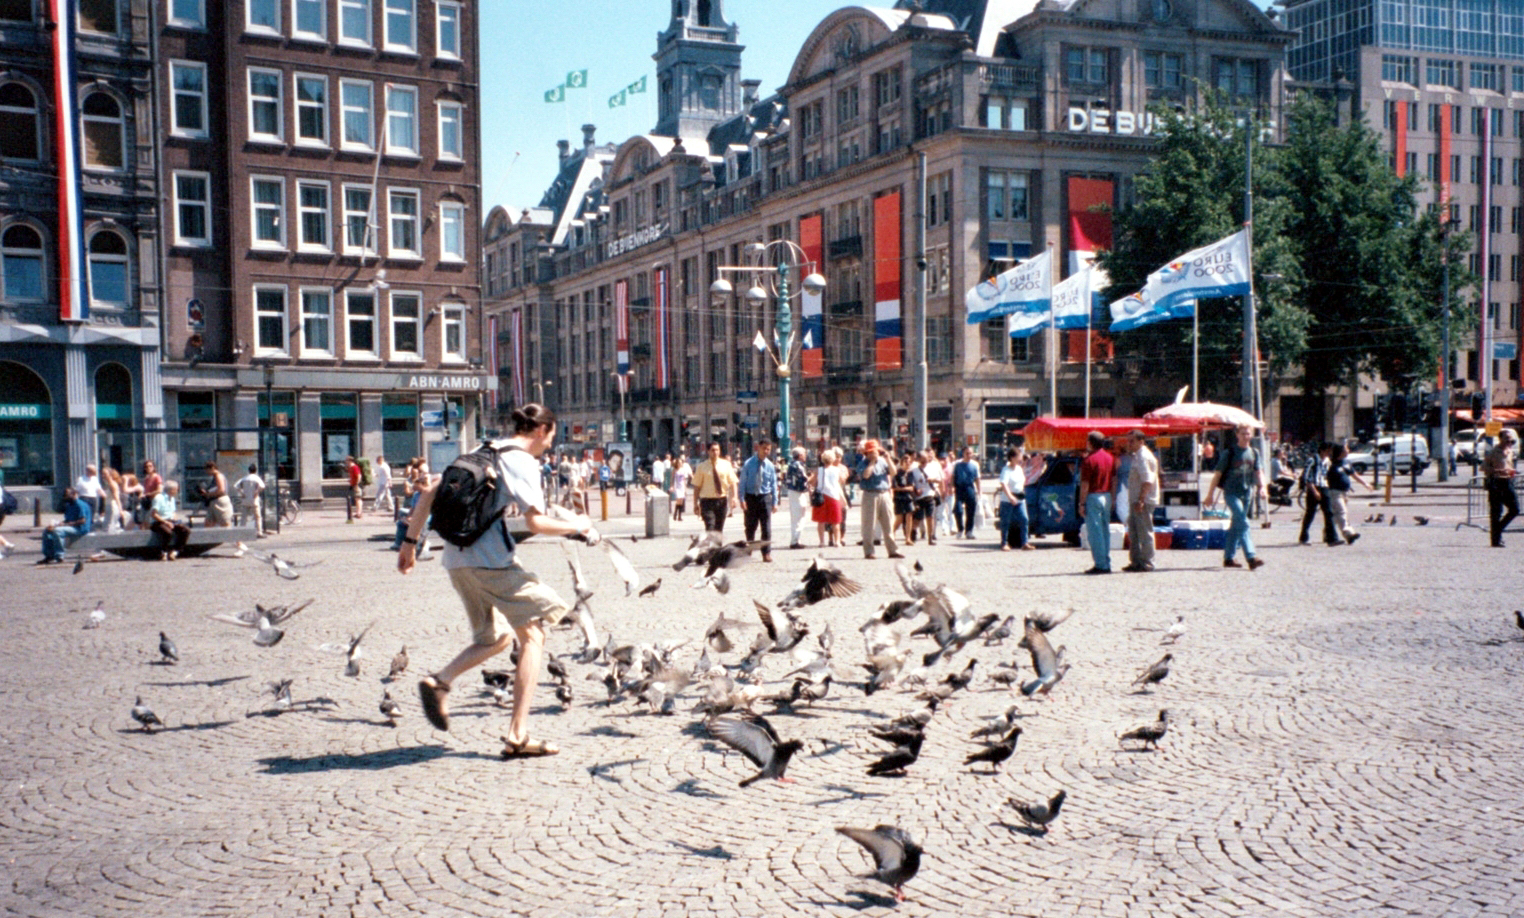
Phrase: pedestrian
x=384 y=487
x=163 y=519
x=965 y=478
x=1013 y=525
x=77 y=520
x=219 y=506
x=830 y=514
x=1143 y=492
x=132 y=499
x=1498 y=473
x=111 y=487
x=903 y=499
x=503 y=601
x=8 y=505
x=356 y=487
x=249 y=488
x=564 y=474
x=1339 y=480
x=935 y=468
x=796 y=478
x=874 y=474
x=1315 y=496
x=759 y=496
x=680 y=477
x=1240 y=475
x=714 y=484
x=1097 y=475
x=1120 y=505
x=153 y=483
x=88 y=487
x=659 y=467
x=924 y=498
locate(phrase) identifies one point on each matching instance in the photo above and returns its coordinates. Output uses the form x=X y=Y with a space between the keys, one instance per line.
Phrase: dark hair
x=1339 y=451
x=1096 y=439
x=253 y=468
x=532 y=417
x=761 y=443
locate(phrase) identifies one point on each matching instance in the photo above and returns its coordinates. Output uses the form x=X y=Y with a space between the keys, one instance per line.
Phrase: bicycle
x=291 y=511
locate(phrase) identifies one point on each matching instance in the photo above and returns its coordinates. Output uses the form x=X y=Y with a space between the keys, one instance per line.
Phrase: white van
x=1411 y=450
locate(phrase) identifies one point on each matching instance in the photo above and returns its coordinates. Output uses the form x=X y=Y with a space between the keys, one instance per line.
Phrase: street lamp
x=620 y=381
x=1447 y=227
x=786 y=257
x=539 y=389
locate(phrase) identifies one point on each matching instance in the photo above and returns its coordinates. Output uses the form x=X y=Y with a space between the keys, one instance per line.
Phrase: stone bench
x=144 y=543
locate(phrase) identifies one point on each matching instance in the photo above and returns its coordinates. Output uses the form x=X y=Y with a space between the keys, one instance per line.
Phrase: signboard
x=432 y=419
x=635 y=240
x=620 y=459
x=854 y=416
x=1494 y=428
x=814 y=433
x=746 y=396
x=24 y=412
x=1504 y=350
x=749 y=421
x=447 y=382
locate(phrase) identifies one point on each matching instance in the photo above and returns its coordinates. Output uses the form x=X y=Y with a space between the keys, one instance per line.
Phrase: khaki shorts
x=499 y=600
x=220 y=512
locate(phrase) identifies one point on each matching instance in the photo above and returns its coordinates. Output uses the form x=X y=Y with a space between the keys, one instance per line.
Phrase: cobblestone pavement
x=1345 y=741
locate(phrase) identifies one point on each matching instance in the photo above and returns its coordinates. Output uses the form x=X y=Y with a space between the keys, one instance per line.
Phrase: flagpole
x=1053 y=345
x=1088 y=335
x=1196 y=352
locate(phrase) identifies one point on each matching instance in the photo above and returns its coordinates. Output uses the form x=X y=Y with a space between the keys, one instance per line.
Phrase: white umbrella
x=1207 y=414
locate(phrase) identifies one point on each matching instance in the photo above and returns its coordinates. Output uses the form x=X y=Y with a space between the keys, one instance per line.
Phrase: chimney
x=564 y=147
x=587 y=137
x=749 y=91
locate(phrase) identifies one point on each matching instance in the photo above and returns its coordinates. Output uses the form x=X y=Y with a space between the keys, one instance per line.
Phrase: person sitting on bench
x=172 y=532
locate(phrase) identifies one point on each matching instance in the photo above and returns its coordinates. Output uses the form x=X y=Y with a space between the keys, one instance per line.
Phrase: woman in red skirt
x=831 y=513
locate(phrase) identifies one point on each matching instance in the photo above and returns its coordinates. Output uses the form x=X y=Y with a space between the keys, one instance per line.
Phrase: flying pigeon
x=145 y=716
x=1044 y=660
x=755 y=738
x=1000 y=633
x=1518 y=619
x=821 y=581
x=1421 y=520
x=267 y=634
x=168 y=652
x=1149 y=734
x=350 y=650
x=282 y=567
x=399 y=664
x=996 y=753
x=896 y=856
x=1039 y=813
x=1155 y=673
x=282 y=692
x=722 y=559
x=786 y=638
x=1046 y=621
x=97 y=616
x=1175 y=631
x=249 y=618
x=564 y=694
x=622 y=566
x=651 y=588
x=582 y=611
x=390 y=708
x=699 y=550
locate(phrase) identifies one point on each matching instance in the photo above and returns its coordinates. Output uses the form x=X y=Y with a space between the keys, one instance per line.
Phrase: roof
x=1063 y=434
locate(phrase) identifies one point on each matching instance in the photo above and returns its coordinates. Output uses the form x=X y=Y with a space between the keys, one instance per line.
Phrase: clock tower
x=698 y=69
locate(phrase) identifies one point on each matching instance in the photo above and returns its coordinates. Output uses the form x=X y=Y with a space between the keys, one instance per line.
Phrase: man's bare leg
x=531 y=650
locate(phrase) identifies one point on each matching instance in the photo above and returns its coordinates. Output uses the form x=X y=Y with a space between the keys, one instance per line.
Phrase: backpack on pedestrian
x=467 y=501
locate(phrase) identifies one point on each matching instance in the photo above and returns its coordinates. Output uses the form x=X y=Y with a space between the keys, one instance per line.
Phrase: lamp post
x=539 y=389
x=1444 y=354
x=620 y=381
x=787 y=257
x=273 y=468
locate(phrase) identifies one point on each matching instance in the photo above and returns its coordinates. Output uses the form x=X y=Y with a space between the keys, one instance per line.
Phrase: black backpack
x=467 y=496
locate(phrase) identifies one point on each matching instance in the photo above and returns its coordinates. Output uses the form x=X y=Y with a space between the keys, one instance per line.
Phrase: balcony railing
x=845 y=247
x=838 y=374
x=647 y=395
x=1009 y=76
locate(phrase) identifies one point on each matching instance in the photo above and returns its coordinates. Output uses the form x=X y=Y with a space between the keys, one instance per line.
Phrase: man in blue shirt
x=966 y=493
x=759 y=496
x=873 y=474
x=76 y=522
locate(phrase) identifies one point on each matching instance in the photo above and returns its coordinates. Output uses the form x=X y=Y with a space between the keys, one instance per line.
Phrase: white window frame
x=41 y=253
x=280 y=105
x=369 y=213
x=416 y=321
x=301 y=297
x=285 y=320
x=256 y=208
x=452 y=212
x=181 y=239
x=397 y=149
x=392 y=249
x=459 y=109
x=452 y=314
x=370 y=116
x=260 y=29
x=349 y=321
x=174 y=98
x=394 y=47
x=124 y=259
x=439 y=29
x=370 y=24
x=302 y=211
x=299 y=105
x=298 y=34
x=199 y=22
x=120 y=121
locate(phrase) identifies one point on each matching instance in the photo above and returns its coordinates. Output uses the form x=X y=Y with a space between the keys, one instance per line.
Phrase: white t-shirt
x=249 y=487
x=88 y=486
x=1014 y=478
x=383 y=477
x=828 y=480
x=935 y=474
x=658 y=472
x=520 y=475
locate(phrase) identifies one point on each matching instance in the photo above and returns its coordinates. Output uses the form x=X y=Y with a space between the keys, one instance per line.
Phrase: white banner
x=1219 y=269
x=1074 y=298
x=1028 y=287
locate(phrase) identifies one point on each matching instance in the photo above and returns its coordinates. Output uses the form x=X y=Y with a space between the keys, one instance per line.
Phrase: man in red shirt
x=356 y=497
x=1097 y=476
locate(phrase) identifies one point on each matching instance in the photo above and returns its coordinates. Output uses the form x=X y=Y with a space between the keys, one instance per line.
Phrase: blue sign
x=432 y=419
x=1504 y=350
x=746 y=396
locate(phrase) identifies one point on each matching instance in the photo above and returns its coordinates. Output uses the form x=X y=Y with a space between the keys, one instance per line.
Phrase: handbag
x=817 y=499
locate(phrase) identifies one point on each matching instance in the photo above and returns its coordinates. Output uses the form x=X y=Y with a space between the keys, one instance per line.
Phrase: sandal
x=432 y=693
x=529 y=748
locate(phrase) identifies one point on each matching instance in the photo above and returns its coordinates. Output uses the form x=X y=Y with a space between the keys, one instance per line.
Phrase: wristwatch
x=410 y=540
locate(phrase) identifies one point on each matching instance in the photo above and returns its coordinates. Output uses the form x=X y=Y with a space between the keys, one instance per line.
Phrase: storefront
x=26 y=428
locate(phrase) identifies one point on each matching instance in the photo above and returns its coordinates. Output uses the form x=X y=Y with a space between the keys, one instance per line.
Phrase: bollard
x=1413 y=476
x=36 y=513
x=1391 y=473
x=627 y=497
x=603 y=501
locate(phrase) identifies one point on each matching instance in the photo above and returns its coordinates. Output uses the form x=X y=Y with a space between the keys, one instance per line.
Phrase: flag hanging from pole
x=492 y=362
x=622 y=330
x=811 y=305
x=556 y=95
x=618 y=99
x=517 y=328
x=73 y=296
x=637 y=86
x=1075 y=299
x=1219 y=269
x=759 y=342
x=1027 y=287
x=576 y=79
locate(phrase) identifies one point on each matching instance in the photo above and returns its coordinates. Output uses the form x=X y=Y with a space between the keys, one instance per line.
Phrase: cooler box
x=1118 y=537
x=1188 y=534
x=1217 y=535
x=1163 y=538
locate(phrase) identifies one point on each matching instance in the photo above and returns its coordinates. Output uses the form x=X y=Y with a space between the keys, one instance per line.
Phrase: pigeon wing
x=834 y=583
x=238 y=619
x=766 y=614
x=884 y=843
x=283 y=613
x=913 y=585
x=1044 y=660
x=746 y=737
x=574 y=561
x=622 y=566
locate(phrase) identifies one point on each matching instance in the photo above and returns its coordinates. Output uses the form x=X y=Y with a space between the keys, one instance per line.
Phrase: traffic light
x=885 y=419
x=1477 y=409
x=1384 y=412
x=1399 y=418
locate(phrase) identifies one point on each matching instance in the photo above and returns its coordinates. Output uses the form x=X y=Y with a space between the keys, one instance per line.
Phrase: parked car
x=1410 y=450
x=1465 y=444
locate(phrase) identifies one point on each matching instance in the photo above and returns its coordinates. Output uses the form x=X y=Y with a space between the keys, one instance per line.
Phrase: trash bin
x=658 y=515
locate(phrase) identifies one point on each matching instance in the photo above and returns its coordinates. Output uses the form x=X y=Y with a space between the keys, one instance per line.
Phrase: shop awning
x=1060 y=434
x=1506 y=415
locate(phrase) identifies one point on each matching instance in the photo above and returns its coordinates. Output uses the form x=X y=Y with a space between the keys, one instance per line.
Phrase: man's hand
x=406 y=557
x=592 y=535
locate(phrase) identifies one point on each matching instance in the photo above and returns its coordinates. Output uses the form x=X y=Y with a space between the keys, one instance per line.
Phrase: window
x=104 y=131
x=193 y=209
x=846 y=105
x=20 y=123
x=1236 y=77
x=267 y=197
x=402 y=120
x=1162 y=71
x=21 y=265
x=108 y=270
x=1485 y=76
x=360 y=316
x=1006 y=195
x=265 y=116
x=309 y=19
x=451 y=130
x=357 y=222
x=264 y=16
x=355 y=99
x=886 y=86
x=269 y=320
x=1087 y=65
x=98 y=16
x=187 y=14
x=406 y=325
x=452 y=231
x=188 y=83
x=317 y=322
x=1398 y=69
x=311 y=110
x=938 y=199
x=448 y=30
x=312 y=214
x=402 y=207
x=401 y=26
x=354 y=22
x=454 y=333
x=1441 y=73
x=1005 y=114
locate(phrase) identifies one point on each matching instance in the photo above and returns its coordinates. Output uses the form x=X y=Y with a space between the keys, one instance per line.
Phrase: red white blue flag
x=622 y=331
x=73 y=301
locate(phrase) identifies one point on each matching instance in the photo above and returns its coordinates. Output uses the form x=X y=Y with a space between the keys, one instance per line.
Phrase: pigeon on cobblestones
x=97 y=616
x=145 y=716
x=168 y=652
x=999 y=634
x=390 y=708
x=1155 y=673
x=399 y=664
x=1038 y=814
x=996 y=753
x=650 y=589
x=896 y=855
x=1175 y=631
x=756 y=739
x=1518 y=619
x=901 y=757
x=961 y=679
x=1149 y=734
x=998 y=724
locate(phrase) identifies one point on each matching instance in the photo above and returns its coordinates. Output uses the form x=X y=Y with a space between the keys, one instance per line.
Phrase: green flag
x=556 y=95
x=637 y=86
x=617 y=99
x=576 y=79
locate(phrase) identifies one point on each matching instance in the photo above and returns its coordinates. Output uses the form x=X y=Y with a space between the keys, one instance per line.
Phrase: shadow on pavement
x=1021 y=830
x=717 y=852
x=209 y=725
x=369 y=761
x=864 y=900
x=209 y=683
